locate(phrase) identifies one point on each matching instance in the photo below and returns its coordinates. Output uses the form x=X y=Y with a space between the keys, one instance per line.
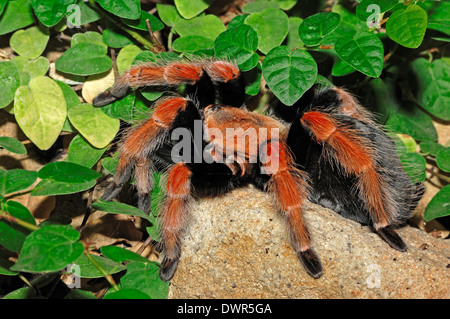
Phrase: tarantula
x=325 y=148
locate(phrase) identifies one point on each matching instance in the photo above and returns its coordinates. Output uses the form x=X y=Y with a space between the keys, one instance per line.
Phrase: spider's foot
x=392 y=238
x=168 y=267
x=311 y=262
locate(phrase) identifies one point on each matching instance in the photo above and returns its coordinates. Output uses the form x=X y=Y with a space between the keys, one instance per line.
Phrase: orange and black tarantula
x=325 y=148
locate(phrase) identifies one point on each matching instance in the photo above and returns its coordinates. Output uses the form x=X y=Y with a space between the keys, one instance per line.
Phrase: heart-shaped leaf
x=9 y=82
x=84 y=59
x=239 y=44
x=50 y=248
x=438 y=206
x=364 y=52
x=314 y=28
x=17 y=15
x=30 y=42
x=15 y=179
x=83 y=153
x=12 y=235
x=289 y=74
x=190 y=8
x=208 y=26
x=407 y=26
x=433 y=86
x=272 y=27
x=50 y=12
x=12 y=145
x=192 y=43
x=40 y=110
x=95 y=126
x=443 y=159
x=128 y=9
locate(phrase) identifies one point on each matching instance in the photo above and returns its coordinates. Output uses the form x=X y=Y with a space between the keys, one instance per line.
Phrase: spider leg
x=358 y=161
x=289 y=188
x=198 y=77
x=173 y=217
x=140 y=144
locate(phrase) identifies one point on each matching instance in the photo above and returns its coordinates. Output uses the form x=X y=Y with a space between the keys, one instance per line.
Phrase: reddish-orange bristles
x=355 y=156
x=289 y=191
x=223 y=71
x=161 y=119
x=350 y=106
x=175 y=207
x=177 y=73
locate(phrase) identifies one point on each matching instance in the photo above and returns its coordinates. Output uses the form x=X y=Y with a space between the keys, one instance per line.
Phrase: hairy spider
x=325 y=148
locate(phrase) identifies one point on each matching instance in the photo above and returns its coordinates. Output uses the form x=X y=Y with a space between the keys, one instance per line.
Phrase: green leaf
x=239 y=44
x=48 y=249
x=341 y=68
x=37 y=67
x=368 y=8
x=293 y=40
x=433 y=86
x=208 y=26
x=84 y=16
x=126 y=57
x=95 y=126
x=411 y=120
x=364 y=52
x=145 y=277
x=67 y=172
x=5 y=264
x=192 y=43
x=3 y=4
x=30 y=42
x=128 y=9
x=9 y=82
x=414 y=165
x=120 y=208
x=87 y=37
x=259 y=6
x=168 y=14
x=12 y=145
x=289 y=74
x=253 y=80
x=141 y=23
x=443 y=159
x=314 y=28
x=22 y=293
x=50 y=12
x=407 y=26
x=16 y=179
x=12 y=236
x=190 y=8
x=40 y=110
x=49 y=187
x=430 y=148
x=439 y=205
x=84 y=59
x=88 y=270
x=17 y=15
x=272 y=27
x=115 y=38
x=129 y=293
x=83 y=153
x=286 y=4
x=119 y=254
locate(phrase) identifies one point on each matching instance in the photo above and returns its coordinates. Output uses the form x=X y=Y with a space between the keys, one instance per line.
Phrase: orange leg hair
x=139 y=144
x=172 y=74
x=355 y=157
x=174 y=215
x=290 y=189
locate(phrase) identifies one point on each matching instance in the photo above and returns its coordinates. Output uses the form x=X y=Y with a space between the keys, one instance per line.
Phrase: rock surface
x=237 y=246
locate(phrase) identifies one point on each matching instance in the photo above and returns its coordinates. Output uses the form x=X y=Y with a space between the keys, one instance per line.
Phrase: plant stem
x=107 y=276
x=7 y=216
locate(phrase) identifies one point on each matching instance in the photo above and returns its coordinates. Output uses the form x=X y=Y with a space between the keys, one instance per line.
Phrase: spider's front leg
x=289 y=188
x=173 y=217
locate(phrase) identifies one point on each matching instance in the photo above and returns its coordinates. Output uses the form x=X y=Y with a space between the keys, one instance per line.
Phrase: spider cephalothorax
x=328 y=150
